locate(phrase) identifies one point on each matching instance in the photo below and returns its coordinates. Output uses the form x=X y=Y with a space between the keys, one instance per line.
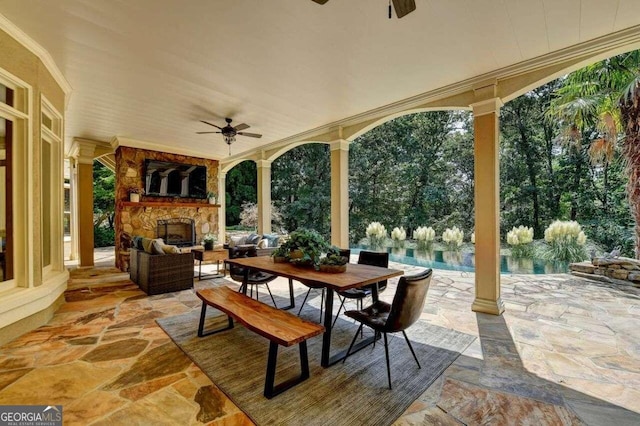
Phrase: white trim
x=21 y=303
x=21 y=37
x=152 y=146
x=340 y=144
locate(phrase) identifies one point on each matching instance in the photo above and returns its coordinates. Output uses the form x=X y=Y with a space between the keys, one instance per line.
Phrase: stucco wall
x=141 y=219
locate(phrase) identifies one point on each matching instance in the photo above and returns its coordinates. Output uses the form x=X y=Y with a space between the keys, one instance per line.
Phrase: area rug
x=350 y=393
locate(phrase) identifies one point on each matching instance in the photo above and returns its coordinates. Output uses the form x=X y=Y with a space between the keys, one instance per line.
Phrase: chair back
x=345 y=253
x=375 y=258
x=237 y=272
x=408 y=301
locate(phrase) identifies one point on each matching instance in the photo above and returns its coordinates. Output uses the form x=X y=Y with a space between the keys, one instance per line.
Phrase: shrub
x=520 y=240
x=565 y=241
x=452 y=238
x=424 y=236
x=398 y=235
x=377 y=234
x=103 y=236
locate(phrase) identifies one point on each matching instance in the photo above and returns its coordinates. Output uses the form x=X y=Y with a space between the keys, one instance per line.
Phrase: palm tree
x=606 y=96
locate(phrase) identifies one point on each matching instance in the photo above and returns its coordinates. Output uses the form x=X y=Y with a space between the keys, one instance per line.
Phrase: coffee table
x=216 y=255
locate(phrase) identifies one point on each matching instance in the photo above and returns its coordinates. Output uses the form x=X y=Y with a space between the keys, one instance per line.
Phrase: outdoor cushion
x=156 y=247
x=237 y=240
x=272 y=240
x=147 y=242
x=253 y=239
x=264 y=243
x=168 y=249
x=136 y=242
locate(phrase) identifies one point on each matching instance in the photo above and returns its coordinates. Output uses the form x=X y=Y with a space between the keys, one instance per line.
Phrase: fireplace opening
x=177 y=232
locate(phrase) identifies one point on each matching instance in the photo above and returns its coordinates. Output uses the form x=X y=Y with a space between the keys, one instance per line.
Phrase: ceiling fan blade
x=251 y=135
x=204 y=133
x=321 y=1
x=241 y=126
x=210 y=124
x=403 y=7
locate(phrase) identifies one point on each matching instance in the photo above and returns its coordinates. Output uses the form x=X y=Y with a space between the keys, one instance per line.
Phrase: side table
x=210 y=256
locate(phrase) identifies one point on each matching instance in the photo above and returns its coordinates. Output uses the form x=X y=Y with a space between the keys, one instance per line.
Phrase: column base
x=486 y=306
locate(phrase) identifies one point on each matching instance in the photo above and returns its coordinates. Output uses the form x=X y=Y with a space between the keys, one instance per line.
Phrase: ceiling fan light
x=229 y=139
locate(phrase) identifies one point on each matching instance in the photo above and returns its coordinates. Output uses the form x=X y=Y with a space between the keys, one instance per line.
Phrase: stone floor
x=566 y=351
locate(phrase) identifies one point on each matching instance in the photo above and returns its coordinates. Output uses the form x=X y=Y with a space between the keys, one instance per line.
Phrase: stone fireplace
x=188 y=218
x=179 y=232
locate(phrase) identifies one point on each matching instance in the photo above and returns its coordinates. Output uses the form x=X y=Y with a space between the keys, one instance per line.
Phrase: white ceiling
x=151 y=69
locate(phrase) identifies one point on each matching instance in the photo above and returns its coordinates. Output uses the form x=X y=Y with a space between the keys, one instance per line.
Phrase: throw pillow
x=237 y=240
x=156 y=247
x=170 y=249
x=263 y=243
x=136 y=242
x=253 y=239
x=272 y=239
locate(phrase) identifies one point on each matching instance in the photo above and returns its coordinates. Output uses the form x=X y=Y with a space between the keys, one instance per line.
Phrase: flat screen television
x=167 y=179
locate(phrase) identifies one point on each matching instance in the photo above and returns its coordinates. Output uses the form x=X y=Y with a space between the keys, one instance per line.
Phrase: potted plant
x=212 y=197
x=333 y=262
x=306 y=246
x=134 y=194
x=280 y=254
x=209 y=240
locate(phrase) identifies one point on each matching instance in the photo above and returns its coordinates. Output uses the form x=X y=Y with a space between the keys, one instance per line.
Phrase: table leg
x=326 y=337
x=245 y=281
x=199 y=270
x=292 y=302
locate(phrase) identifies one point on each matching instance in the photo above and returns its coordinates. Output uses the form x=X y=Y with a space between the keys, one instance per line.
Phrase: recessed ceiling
x=151 y=69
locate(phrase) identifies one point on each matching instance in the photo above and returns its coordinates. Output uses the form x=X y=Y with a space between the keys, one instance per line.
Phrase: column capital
x=487 y=106
x=263 y=163
x=340 y=144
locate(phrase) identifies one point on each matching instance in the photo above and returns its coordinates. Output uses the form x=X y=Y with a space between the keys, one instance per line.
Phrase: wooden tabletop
x=356 y=275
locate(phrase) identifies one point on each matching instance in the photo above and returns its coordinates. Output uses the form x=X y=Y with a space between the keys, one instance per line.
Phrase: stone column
x=264 y=196
x=340 y=193
x=83 y=152
x=487 y=206
x=222 y=200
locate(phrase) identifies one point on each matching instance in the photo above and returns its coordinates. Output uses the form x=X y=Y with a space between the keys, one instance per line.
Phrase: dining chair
x=256 y=278
x=344 y=253
x=404 y=311
x=373 y=258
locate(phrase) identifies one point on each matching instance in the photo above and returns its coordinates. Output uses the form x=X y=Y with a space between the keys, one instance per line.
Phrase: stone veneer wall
x=141 y=220
x=613 y=269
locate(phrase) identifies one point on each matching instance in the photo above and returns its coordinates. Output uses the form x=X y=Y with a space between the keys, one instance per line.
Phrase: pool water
x=458 y=261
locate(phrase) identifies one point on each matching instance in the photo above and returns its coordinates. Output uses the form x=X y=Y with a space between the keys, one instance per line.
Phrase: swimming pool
x=458 y=261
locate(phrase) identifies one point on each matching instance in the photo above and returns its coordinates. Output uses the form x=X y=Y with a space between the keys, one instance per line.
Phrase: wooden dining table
x=356 y=276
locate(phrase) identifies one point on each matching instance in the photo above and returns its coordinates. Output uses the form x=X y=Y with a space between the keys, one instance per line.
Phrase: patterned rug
x=354 y=392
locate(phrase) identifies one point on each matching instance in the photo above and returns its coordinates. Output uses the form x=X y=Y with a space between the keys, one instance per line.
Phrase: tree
x=606 y=96
x=241 y=188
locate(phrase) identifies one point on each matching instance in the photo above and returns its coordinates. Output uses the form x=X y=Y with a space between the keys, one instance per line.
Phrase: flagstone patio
x=566 y=351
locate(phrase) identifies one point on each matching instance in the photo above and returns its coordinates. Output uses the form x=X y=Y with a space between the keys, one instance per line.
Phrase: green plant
x=281 y=251
x=520 y=240
x=424 y=237
x=136 y=190
x=453 y=237
x=103 y=236
x=565 y=241
x=398 y=235
x=333 y=258
x=210 y=238
x=309 y=242
x=377 y=234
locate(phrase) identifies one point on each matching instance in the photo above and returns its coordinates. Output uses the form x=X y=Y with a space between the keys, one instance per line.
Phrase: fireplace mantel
x=151 y=204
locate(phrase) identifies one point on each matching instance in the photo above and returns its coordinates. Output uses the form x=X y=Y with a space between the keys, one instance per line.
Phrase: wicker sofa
x=161 y=273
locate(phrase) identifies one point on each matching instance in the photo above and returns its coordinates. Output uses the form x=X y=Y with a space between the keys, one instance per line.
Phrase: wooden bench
x=280 y=327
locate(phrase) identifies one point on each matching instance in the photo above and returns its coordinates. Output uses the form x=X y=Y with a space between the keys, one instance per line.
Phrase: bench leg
x=270 y=389
x=203 y=313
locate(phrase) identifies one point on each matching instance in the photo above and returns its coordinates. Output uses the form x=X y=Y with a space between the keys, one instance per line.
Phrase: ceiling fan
x=229 y=132
x=402 y=7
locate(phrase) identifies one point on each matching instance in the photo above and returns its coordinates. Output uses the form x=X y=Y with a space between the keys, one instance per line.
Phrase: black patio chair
x=404 y=311
x=373 y=258
x=344 y=253
x=256 y=278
